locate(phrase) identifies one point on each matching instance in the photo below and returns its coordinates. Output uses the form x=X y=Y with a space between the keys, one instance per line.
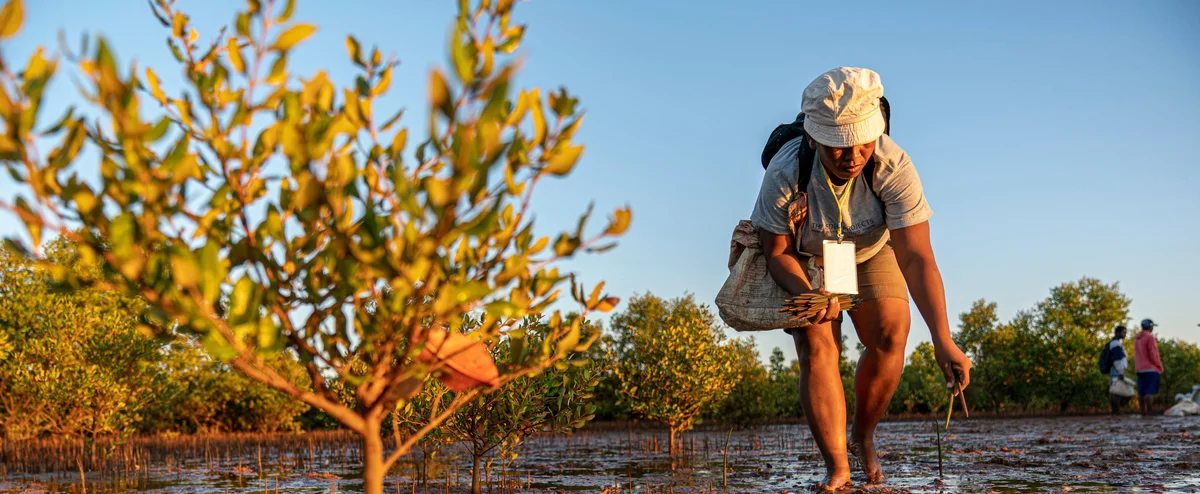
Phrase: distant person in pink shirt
x=1148 y=364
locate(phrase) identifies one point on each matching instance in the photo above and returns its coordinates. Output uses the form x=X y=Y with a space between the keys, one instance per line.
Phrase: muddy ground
x=1074 y=454
x=1064 y=454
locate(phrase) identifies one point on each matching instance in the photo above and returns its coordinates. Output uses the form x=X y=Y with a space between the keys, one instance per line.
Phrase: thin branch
x=403 y=448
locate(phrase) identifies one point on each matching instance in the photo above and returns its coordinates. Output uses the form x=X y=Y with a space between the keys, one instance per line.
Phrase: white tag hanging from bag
x=841 y=272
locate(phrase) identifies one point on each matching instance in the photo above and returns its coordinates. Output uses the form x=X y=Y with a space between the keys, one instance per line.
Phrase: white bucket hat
x=841 y=107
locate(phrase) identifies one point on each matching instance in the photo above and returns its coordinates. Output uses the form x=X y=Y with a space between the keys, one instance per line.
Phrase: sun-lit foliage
x=333 y=231
x=672 y=360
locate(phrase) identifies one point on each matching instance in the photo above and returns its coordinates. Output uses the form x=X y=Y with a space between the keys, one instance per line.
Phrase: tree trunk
x=82 y=477
x=373 y=471
x=674 y=441
x=424 y=470
x=475 y=487
x=79 y=461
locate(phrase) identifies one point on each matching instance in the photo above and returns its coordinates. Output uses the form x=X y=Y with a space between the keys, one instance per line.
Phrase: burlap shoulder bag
x=750 y=299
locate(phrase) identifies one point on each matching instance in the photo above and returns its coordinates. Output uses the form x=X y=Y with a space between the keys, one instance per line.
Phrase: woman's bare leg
x=821 y=397
x=882 y=326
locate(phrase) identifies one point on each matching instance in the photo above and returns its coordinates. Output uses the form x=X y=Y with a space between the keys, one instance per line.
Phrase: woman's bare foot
x=835 y=481
x=864 y=450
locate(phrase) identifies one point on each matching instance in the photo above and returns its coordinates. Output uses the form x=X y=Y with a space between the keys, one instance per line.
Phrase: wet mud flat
x=1061 y=454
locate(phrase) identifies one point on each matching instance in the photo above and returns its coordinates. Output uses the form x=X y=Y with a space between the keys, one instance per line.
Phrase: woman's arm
x=914 y=253
x=788 y=272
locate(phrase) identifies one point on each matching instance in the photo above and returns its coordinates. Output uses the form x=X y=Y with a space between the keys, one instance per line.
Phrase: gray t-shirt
x=867 y=219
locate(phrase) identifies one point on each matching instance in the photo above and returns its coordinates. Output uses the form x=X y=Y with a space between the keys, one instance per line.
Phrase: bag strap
x=804 y=163
x=869 y=173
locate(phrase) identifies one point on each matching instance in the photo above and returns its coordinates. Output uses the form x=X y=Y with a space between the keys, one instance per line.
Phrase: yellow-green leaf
x=155 y=89
x=455 y=296
x=235 y=56
x=355 y=50
x=565 y=245
x=293 y=35
x=512 y=39
x=177 y=24
x=288 y=8
x=607 y=304
x=489 y=51
x=309 y=191
x=214 y=271
x=619 y=221
x=36 y=69
x=343 y=170
x=278 y=71
x=27 y=215
x=504 y=309
x=85 y=200
x=518 y=113
x=464 y=54
x=273 y=225
x=242 y=301
x=159 y=130
x=11 y=18
x=400 y=141
x=568 y=343
x=184 y=271
x=392 y=121
x=217 y=346
x=268 y=335
x=539 y=118
x=563 y=160
x=243 y=24
x=439 y=191
x=594 y=298
x=540 y=244
x=385 y=80
x=439 y=93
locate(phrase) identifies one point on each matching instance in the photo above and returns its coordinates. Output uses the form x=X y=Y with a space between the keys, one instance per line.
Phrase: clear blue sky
x=1054 y=139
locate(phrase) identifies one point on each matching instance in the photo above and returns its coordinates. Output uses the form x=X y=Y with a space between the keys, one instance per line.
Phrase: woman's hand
x=829 y=313
x=955 y=365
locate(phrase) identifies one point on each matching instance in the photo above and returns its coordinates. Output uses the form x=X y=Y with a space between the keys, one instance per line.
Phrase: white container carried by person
x=1122 y=387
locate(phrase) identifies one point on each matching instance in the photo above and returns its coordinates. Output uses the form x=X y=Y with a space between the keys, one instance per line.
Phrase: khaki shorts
x=879 y=277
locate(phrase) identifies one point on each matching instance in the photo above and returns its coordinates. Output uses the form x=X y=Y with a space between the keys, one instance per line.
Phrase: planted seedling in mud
x=938 y=432
x=725 y=461
x=305 y=205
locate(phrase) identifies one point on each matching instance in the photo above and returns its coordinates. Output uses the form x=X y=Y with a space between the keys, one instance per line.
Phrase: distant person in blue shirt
x=1116 y=354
